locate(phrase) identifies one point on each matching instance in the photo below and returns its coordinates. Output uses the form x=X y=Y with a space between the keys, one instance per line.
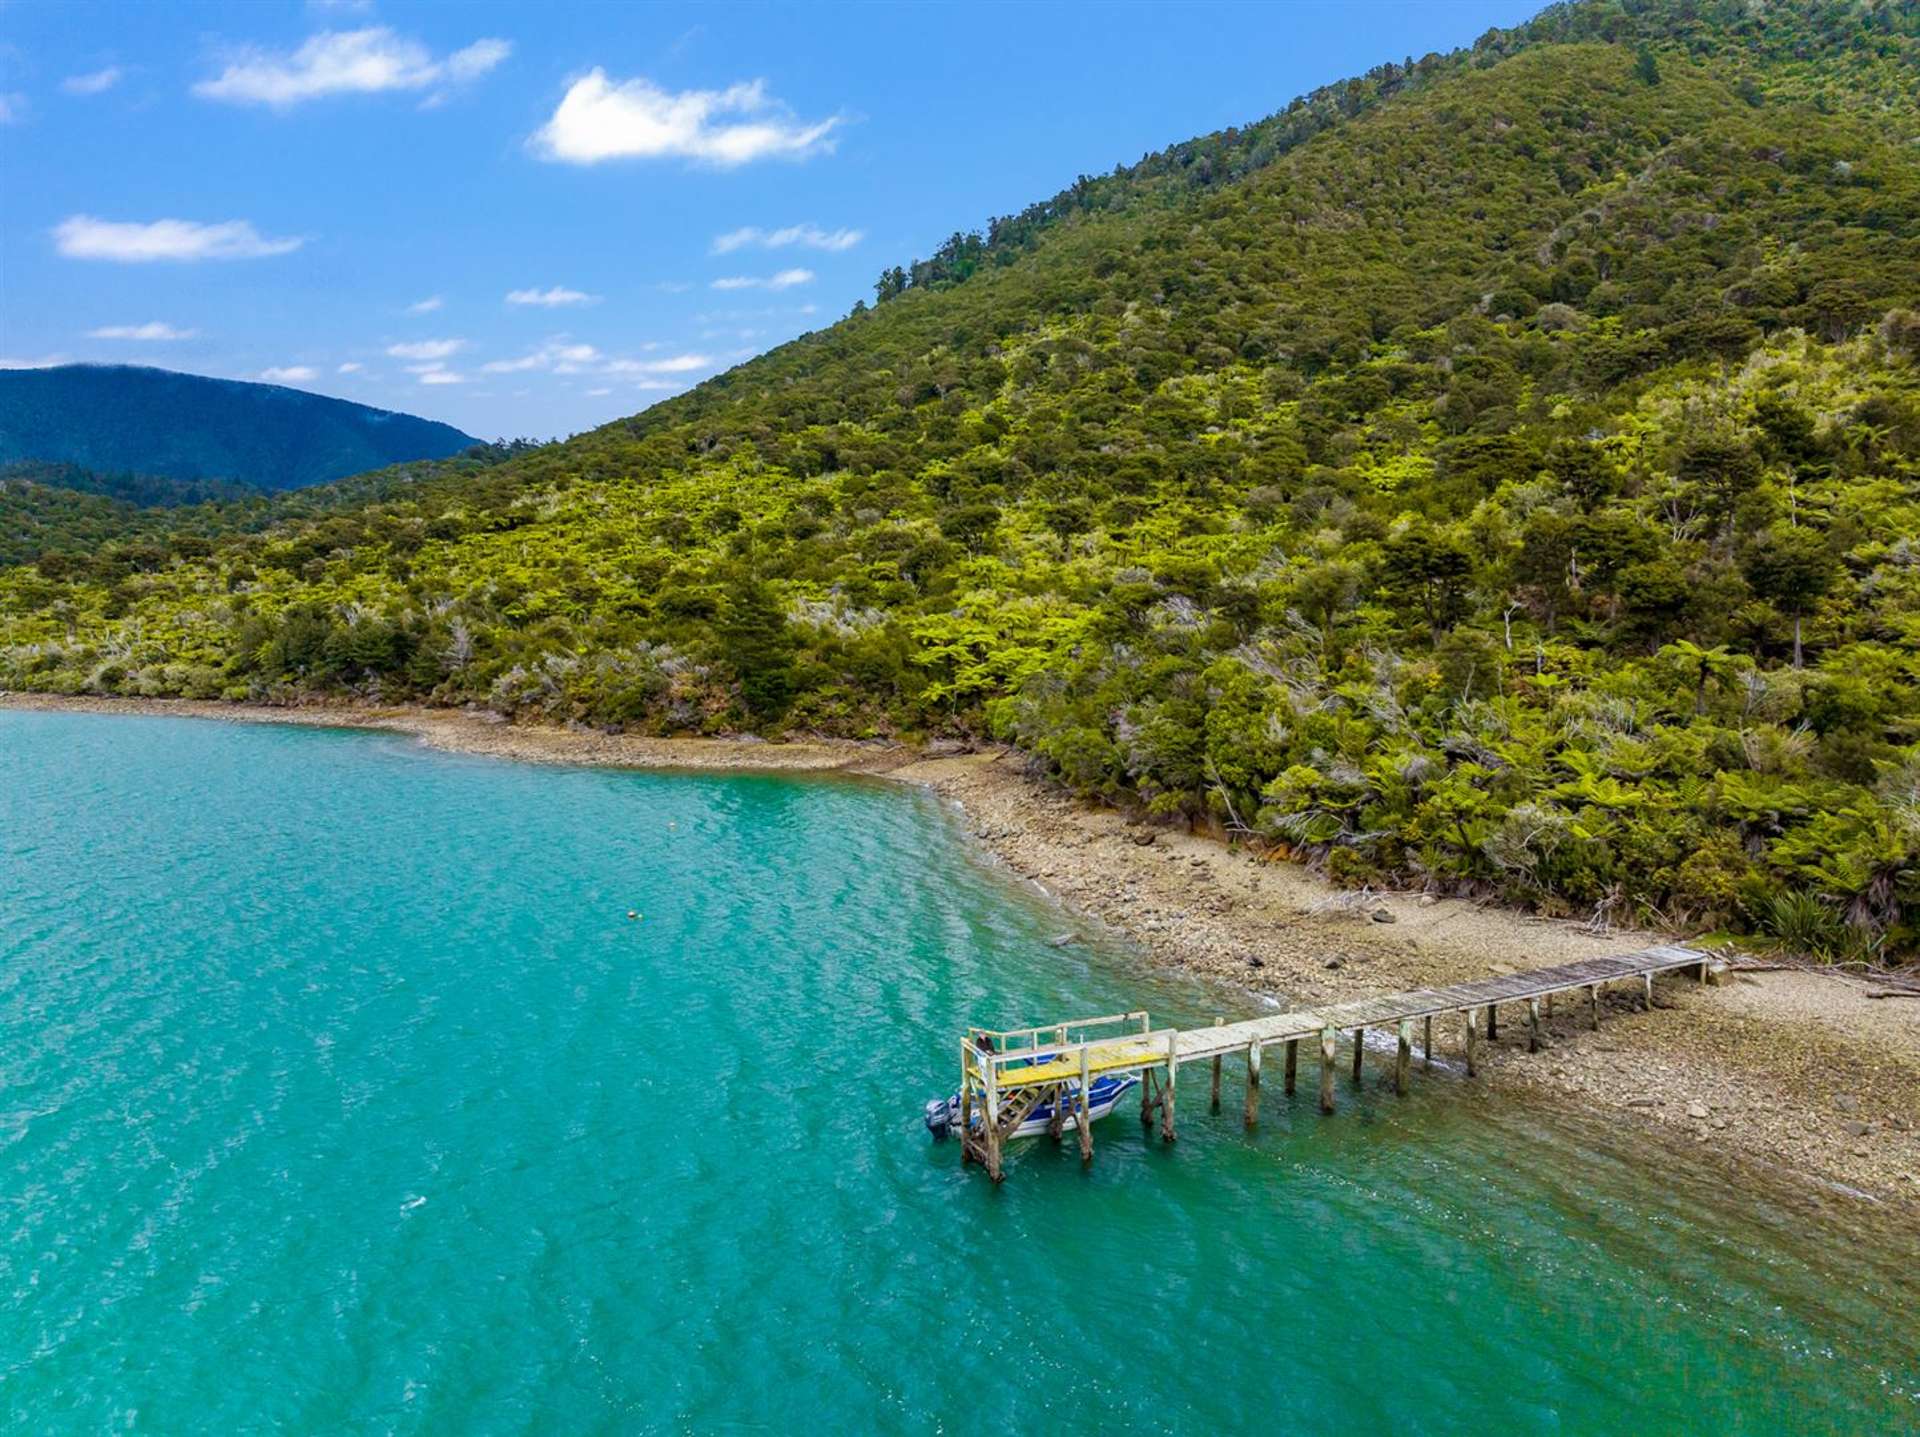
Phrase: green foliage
x=1500 y=476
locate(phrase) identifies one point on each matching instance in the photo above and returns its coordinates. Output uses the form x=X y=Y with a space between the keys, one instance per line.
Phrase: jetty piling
x=1005 y=1075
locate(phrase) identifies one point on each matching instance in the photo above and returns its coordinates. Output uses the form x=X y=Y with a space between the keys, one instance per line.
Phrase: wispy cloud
x=45 y=361
x=561 y=355
x=290 y=374
x=557 y=355
x=84 y=237
x=426 y=306
x=350 y=367
x=442 y=376
x=785 y=279
x=600 y=119
x=807 y=236
x=554 y=298
x=427 y=349
x=347 y=62
x=13 y=107
x=94 y=82
x=674 y=364
x=152 y=330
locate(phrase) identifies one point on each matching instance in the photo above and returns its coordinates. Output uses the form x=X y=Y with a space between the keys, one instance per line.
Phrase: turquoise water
x=339 y=1093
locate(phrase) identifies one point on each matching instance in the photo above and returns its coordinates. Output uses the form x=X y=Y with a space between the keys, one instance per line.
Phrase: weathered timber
x=1006 y=1075
x=1214 y=1101
x=1253 y=1084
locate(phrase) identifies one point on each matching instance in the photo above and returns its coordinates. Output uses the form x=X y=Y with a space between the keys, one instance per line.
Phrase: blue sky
x=531 y=219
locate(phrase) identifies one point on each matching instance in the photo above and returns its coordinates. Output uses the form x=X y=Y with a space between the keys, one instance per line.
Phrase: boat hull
x=1103 y=1096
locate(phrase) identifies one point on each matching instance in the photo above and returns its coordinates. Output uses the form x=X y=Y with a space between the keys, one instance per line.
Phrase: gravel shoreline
x=1796 y=1071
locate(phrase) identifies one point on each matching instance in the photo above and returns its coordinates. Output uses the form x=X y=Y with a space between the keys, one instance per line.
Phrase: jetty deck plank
x=1007 y=1074
x=1140 y=1050
x=1430 y=1002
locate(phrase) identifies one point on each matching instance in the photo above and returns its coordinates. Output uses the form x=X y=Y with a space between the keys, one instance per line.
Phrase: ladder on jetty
x=1007 y=1073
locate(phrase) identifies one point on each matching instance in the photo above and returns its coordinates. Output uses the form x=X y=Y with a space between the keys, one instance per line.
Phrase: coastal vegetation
x=1499 y=473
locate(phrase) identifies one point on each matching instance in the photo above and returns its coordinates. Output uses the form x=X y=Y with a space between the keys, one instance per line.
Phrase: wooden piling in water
x=1327 y=1040
x=1426 y=1044
x=1359 y=1048
x=1401 y=1057
x=1252 y=1114
x=1166 y=1096
x=1533 y=1025
x=1085 y=1117
x=1493 y=1022
x=1214 y=1100
x=1293 y=1063
x=1471 y=1036
x=993 y=1124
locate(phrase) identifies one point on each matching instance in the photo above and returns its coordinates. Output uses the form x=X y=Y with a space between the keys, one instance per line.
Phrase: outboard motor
x=940 y=1118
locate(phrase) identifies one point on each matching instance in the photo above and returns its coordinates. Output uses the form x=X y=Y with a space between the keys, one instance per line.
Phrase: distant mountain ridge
x=132 y=419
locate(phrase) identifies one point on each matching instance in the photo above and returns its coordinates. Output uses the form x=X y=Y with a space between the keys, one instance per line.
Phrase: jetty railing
x=1006 y=1075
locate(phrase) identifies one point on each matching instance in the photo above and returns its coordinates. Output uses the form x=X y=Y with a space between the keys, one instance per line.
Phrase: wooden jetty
x=1005 y=1074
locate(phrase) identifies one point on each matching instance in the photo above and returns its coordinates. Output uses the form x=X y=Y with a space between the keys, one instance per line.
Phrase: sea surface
x=340 y=1093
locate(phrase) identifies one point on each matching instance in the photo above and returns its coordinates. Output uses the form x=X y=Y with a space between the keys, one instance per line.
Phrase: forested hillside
x=123 y=419
x=1507 y=482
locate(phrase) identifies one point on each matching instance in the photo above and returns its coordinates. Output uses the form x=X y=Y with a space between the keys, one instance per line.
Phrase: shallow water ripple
x=339 y=1093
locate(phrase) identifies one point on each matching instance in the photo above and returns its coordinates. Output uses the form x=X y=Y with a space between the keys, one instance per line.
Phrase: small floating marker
x=633 y=913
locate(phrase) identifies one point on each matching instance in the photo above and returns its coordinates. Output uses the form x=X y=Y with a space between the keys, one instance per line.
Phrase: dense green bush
x=1510 y=485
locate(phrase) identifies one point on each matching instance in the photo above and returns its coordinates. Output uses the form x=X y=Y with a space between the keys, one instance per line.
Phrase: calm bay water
x=339 y=1093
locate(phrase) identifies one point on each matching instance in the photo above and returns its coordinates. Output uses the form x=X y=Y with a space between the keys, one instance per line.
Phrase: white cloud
x=808 y=236
x=426 y=306
x=84 y=237
x=598 y=119
x=350 y=367
x=442 y=376
x=677 y=364
x=45 y=361
x=561 y=355
x=94 y=82
x=13 y=106
x=153 y=329
x=558 y=355
x=598 y=393
x=338 y=62
x=290 y=374
x=433 y=349
x=785 y=279
x=550 y=298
